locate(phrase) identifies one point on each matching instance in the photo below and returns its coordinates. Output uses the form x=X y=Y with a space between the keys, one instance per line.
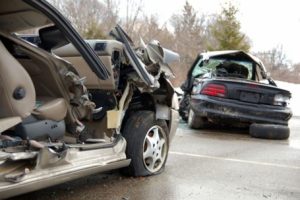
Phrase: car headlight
x=281 y=100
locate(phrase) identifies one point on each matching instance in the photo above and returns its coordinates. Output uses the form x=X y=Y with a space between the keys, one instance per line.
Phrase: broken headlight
x=281 y=100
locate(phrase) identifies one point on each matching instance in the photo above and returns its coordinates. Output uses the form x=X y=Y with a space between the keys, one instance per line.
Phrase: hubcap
x=155 y=149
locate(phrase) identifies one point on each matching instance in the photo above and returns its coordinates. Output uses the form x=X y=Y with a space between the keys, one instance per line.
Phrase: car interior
x=27 y=95
x=102 y=91
x=227 y=67
x=46 y=97
x=56 y=95
x=232 y=69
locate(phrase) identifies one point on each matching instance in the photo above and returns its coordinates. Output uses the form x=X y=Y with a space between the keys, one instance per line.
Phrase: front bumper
x=220 y=108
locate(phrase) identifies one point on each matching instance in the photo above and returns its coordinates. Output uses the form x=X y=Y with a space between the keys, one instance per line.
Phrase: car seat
x=40 y=119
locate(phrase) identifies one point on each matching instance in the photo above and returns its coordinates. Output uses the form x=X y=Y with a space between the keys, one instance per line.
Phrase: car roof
x=228 y=52
x=225 y=53
x=217 y=53
x=16 y=15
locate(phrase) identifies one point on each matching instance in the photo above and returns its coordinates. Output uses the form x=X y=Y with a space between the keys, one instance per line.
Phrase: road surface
x=202 y=164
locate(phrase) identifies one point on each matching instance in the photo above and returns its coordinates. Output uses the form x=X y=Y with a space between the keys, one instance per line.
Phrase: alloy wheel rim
x=155 y=149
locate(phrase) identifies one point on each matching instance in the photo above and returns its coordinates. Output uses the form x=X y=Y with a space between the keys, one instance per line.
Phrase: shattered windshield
x=223 y=68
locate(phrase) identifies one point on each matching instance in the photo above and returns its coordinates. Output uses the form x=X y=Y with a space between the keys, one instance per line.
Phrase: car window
x=204 y=66
x=223 y=68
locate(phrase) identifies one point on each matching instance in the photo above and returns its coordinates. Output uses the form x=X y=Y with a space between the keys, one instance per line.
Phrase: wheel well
x=148 y=101
x=139 y=101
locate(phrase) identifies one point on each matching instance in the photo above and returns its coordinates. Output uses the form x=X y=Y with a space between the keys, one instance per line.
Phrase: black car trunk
x=249 y=91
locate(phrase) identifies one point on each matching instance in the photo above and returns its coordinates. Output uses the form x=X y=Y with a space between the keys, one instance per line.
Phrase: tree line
x=187 y=32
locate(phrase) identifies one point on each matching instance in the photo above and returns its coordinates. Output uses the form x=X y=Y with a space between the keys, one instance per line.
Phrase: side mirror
x=52 y=38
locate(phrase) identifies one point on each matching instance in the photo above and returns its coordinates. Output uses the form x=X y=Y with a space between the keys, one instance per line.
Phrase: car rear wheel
x=147 y=144
x=269 y=131
x=184 y=107
x=194 y=121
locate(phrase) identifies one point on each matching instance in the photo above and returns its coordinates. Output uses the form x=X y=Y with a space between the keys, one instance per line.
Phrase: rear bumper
x=213 y=107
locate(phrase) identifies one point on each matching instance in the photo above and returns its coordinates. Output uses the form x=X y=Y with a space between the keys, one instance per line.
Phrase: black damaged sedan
x=233 y=88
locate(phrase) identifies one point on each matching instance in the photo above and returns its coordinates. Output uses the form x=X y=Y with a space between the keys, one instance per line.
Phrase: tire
x=269 y=131
x=147 y=144
x=184 y=106
x=195 y=122
x=183 y=115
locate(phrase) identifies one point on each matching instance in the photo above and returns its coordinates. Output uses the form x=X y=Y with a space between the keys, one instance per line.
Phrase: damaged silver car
x=70 y=108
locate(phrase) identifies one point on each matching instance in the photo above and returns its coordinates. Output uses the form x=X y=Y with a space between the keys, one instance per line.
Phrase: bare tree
x=189 y=30
x=274 y=59
x=296 y=73
x=92 y=19
x=110 y=15
x=133 y=12
x=148 y=28
x=279 y=66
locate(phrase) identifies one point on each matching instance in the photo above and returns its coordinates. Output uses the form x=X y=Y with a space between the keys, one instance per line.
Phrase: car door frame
x=189 y=80
x=72 y=35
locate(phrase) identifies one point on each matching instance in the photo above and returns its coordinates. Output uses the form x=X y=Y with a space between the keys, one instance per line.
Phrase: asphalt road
x=206 y=164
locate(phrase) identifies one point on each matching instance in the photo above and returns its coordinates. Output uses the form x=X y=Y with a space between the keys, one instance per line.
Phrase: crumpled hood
x=149 y=60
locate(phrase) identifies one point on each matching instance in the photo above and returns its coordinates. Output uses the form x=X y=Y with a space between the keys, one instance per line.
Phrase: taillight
x=215 y=90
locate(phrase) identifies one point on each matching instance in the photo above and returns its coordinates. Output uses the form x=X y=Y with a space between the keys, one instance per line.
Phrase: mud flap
x=162 y=112
x=114 y=117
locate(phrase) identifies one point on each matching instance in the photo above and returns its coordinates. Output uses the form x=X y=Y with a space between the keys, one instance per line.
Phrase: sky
x=268 y=23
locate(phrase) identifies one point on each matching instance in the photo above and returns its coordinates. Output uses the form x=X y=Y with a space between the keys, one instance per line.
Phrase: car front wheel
x=147 y=144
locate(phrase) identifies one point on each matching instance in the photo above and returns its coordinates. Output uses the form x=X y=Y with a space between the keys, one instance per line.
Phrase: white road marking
x=235 y=160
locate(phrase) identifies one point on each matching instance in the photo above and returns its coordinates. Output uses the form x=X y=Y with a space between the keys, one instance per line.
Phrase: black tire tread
x=269 y=131
x=197 y=122
x=136 y=125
